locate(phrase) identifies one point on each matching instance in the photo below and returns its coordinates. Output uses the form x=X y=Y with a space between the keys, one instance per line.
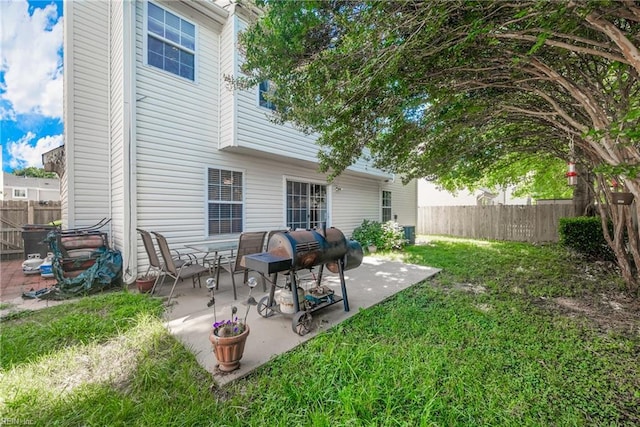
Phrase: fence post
x=30 y=212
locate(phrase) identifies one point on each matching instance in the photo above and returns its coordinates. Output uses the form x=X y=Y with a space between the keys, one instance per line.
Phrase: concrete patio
x=190 y=320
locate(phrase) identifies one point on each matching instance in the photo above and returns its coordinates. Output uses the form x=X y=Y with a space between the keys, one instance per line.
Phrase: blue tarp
x=104 y=273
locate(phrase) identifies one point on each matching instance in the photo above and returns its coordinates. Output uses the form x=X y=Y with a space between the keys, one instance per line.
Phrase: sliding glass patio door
x=306 y=204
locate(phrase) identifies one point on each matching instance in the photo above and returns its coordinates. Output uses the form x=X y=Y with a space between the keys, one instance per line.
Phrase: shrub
x=392 y=236
x=584 y=235
x=384 y=236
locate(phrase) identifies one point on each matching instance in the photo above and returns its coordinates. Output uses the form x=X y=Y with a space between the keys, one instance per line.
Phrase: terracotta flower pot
x=145 y=284
x=229 y=350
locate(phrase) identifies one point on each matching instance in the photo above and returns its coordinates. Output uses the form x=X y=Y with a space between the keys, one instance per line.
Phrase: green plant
x=368 y=233
x=584 y=235
x=392 y=236
x=229 y=327
x=384 y=236
x=233 y=326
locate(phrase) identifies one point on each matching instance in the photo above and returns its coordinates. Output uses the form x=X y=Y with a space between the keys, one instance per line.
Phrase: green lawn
x=479 y=344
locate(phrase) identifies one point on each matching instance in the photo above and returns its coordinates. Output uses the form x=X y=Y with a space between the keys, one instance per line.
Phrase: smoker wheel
x=264 y=309
x=301 y=323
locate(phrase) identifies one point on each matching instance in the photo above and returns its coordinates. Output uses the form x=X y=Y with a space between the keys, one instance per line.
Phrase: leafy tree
x=453 y=89
x=34 y=172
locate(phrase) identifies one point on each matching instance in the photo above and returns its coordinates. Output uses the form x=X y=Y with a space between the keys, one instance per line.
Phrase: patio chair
x=187 y=269
x=249 y=243
x=155 y=265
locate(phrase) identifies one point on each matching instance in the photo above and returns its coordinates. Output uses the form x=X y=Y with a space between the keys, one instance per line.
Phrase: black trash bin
x=410 y=234
x=33 y=236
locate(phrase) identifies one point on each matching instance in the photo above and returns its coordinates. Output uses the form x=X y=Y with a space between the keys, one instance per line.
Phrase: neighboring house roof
x=35 y=188
x=11 y=180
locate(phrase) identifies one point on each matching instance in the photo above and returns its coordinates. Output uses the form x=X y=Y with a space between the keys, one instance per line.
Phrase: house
x=429 y=194
x=29 y=188
x=155 y=138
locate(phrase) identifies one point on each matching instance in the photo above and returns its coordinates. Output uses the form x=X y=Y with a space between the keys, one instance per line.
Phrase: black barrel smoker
x=290 y=251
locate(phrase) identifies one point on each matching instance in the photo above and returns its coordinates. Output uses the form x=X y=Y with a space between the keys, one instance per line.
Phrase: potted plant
x=145 y=282
x=228 y=336
x=368 y=234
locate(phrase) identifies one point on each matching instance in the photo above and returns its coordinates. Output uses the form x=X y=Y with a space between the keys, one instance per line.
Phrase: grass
x=434 y=354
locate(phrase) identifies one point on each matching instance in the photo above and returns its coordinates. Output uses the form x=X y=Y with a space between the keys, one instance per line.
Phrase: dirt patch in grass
x=610 y=312
x=617 y=313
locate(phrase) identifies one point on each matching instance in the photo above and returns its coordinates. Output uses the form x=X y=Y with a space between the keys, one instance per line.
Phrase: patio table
x=215 y=248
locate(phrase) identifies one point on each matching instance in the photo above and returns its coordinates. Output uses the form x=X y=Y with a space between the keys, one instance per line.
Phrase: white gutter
x=209 y=9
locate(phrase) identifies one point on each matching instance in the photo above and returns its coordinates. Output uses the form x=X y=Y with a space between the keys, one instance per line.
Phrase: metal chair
x=249 y=243
x=184 y=271
x=155 y=264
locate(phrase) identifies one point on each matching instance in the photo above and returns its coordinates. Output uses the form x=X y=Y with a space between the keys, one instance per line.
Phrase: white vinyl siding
x=86 y=81
x=404 y=201
x=120 y=51
x=176 y=136
x=228 y=62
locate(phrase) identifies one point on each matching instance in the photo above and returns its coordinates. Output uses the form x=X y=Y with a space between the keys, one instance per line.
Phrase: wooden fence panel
x=14 y=214
x=522 y=223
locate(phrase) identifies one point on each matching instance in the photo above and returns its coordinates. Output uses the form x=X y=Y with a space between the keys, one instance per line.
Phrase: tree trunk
x=583 y=194
x=624 y=239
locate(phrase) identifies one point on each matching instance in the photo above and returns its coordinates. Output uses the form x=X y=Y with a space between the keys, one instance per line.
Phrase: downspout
x=130 y=177
x=109 y=132
x=219 y=90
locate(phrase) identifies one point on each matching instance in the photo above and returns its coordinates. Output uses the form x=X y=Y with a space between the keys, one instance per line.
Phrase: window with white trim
x=306 y=204
x=19 y=193
x=386 y=206
x=264 y=88
x=225 y=201
x=171 y=42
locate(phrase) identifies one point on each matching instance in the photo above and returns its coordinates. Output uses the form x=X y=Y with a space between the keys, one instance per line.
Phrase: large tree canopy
x=455 y=90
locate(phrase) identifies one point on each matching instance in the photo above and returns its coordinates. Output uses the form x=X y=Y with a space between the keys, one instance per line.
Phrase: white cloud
x=22 y=154
x=31 y=59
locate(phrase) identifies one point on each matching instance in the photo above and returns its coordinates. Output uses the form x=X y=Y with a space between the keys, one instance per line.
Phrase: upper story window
x=19 y=193
x=386 y=206
x=264 y=88
x=171 y=42
x=225 y=201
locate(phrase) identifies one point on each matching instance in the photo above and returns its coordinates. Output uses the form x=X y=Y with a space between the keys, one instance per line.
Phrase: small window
x=171 y=42
x=264 y=88
x=386 y=206
x=19 y=193
x=225 y=201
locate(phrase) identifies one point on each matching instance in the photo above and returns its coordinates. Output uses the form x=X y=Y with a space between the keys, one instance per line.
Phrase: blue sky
x=30 y=81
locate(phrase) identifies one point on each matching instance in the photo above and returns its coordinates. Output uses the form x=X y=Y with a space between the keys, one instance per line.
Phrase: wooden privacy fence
x=14 y=214
x=522 y=223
